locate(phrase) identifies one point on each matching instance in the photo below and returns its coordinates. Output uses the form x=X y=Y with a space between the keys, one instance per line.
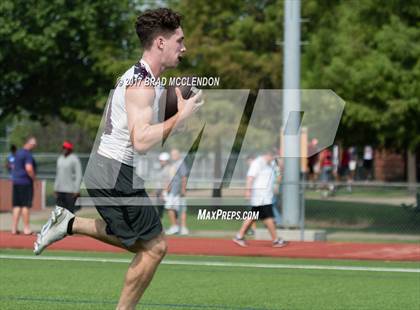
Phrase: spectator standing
x=313 y=160
x=162 y=175
x=344 y=165
x=368 y=162
x=326 y=165
x=352 y=164
x=260 y=192
x=68 y=178
x=175 y=200
x=23 y=176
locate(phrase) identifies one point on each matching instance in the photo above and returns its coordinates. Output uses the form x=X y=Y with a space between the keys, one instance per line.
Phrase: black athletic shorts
x=126 y=209
x=22 y=195
x=265 y=211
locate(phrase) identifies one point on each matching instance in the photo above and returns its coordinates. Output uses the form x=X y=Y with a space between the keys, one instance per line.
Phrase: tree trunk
x=411 y=170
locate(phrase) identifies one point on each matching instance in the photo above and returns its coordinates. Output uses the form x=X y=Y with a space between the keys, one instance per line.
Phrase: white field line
x=214 y=264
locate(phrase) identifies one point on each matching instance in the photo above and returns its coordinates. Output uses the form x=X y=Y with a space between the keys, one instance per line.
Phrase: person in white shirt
x=259 y=190
x=68 y=178
x=368 y=162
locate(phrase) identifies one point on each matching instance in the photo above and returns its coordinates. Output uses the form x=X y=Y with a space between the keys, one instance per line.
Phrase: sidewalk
x=39 y=218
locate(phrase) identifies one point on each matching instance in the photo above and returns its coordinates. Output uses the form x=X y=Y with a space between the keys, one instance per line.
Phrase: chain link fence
x=360 y=210
x=364 y=210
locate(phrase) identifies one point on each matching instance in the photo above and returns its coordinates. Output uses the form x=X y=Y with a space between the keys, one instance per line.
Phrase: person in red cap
x=68 y=178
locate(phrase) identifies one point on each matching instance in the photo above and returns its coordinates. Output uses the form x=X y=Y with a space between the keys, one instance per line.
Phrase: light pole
x=291 y=113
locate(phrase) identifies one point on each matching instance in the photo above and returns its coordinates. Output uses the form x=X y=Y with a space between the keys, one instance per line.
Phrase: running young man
x=130 y=127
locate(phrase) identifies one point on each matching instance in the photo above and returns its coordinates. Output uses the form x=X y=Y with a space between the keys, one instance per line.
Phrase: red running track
x=207 y=246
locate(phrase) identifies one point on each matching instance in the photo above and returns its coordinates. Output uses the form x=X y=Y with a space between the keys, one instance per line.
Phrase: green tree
x=238 y=41
x=58 y=56
x=50 y=136
x=368 y=53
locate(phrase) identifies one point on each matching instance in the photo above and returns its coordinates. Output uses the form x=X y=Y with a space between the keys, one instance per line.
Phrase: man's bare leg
x=141 y=270
x=25 y=217
x=172 y=217
x=244 y=227
x=143 y=266
x=271 y=226
x=15 y=221
x=184 y=218
x=95 y=228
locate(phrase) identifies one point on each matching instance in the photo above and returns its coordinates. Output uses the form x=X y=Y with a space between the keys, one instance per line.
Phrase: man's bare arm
x=184 y=186
x=30 y=171
x=248 y=189
x=139 y=103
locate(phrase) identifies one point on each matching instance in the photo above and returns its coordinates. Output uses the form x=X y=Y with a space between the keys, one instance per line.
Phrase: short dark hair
x=153 y=23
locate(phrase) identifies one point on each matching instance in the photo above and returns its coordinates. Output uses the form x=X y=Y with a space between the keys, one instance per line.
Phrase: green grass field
x=191 y=282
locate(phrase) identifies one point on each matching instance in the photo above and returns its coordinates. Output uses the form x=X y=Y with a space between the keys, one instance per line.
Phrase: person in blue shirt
x=10 y=161
x=23 y=176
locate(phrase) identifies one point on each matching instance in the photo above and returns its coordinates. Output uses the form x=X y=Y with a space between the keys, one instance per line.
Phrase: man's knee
x=156 y=248
x=159 y=249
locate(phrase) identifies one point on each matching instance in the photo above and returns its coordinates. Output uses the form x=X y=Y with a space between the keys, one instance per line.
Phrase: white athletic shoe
x=279 y=243
x=172 y=230
x=184 y=231
x=55 y=229
x=240 y=241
